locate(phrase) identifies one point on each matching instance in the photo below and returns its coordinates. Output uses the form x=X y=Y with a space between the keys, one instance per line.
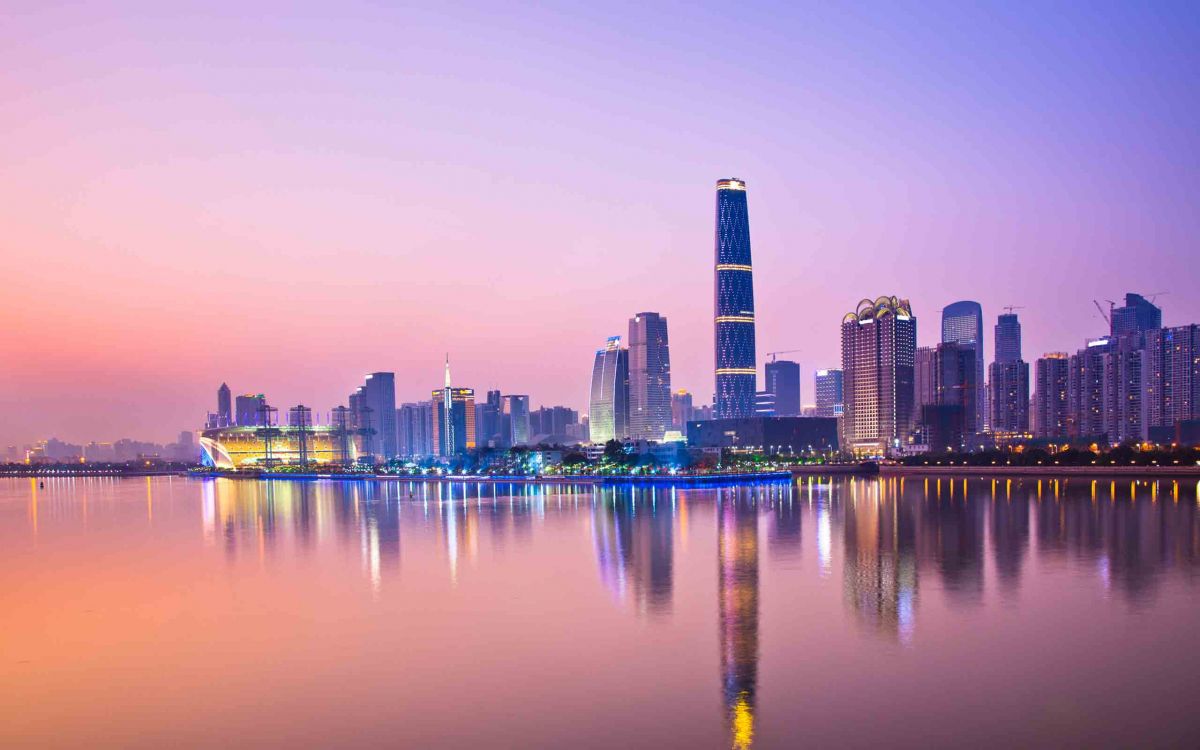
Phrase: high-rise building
x=1008 y=384
x=609 y=409
x=1050 y=396
x=949 y=420
x=1137 y=316
x=250 y=409
x=783 y=380
x=553 y=424
x=649 y=377
x=736 y=370
x=516 y=408
x=1008 y=338
x=377 y=398
x=681 y=410
x=414 y=429
x=224 y=407
x=1008 y=380
x=879 y=341
x=453 y=418
x=1123 y=370
x=489 y=423
x=828 y=387
x=1171 y=377
x=962 y=323
x=1085 y=391
x=925 y=380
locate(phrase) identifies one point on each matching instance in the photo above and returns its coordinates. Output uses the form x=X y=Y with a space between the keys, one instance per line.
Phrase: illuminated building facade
x=1172 y=377
x=609 y=415
x=879 y=342
x=962 y=323
x=453 y=428
x=649 y=377
x=828 y=387
x=1085 y=391
x=1050 y=402
x=735 y=359
x=241 y=447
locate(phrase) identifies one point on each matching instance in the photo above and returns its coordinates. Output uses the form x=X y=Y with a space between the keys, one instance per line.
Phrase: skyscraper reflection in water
x=737 y=602
x=633 y=535
x=880 y=561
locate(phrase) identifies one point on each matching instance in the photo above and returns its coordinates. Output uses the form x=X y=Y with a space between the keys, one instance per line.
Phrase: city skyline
x=162 y=216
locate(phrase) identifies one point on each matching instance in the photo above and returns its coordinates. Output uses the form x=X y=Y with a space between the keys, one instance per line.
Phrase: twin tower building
x=631 y=387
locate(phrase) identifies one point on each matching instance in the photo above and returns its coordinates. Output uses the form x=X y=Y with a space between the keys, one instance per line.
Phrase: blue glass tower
x=733 y=298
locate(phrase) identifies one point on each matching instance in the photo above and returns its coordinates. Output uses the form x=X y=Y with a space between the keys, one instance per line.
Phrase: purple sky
x=288 y=198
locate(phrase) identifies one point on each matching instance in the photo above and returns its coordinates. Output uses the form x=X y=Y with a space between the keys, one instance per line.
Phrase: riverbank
x=1132 y=472
x=588 y=479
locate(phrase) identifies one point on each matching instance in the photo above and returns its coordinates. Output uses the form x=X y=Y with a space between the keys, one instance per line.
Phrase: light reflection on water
x=924 y=568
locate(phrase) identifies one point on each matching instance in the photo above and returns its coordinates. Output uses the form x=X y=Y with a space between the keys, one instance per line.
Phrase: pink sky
x=289 y=199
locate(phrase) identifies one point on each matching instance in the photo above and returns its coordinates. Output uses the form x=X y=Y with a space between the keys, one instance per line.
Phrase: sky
x=285 y=197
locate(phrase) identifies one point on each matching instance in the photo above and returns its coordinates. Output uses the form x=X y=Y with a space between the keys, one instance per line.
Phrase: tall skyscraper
x=453 y=418
x=828 y=387
x=1050 y=402
x=736 y=369
x=224 y=406
x=1008 y=338
x=783 y=379
x=376 y=401
x=879 y=342
x=1137 y=316
x=517 y=410
x=609 y=409
x=1008 y=380
x=962 y=323
x=649 y=377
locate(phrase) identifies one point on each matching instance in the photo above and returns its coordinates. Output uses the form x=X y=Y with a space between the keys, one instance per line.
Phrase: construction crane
x=1106 y=315
x=1010 y=308
x=785 y=351
x=1154 y=295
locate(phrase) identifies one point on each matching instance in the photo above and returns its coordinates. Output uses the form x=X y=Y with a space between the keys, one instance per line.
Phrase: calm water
x=150 y=612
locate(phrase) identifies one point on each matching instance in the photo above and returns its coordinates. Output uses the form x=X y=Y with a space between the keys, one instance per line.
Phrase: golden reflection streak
x=743 y=723
x=33 y=504
x=149 y=502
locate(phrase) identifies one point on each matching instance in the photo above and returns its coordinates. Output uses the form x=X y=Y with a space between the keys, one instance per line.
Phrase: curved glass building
x=609 y=411
x=733 y=300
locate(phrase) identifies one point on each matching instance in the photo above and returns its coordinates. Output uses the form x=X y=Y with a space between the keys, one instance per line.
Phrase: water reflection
x=634 y=541
x=737 y=607
x=897 y=554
